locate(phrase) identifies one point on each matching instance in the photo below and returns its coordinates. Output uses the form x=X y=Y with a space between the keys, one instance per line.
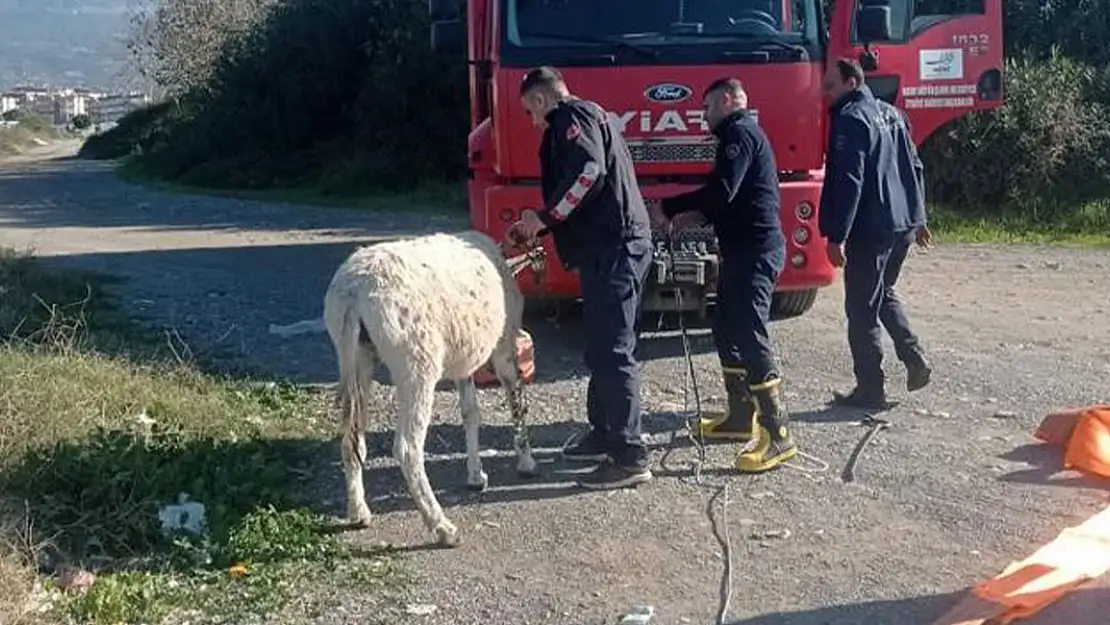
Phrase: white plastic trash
x=185 y=514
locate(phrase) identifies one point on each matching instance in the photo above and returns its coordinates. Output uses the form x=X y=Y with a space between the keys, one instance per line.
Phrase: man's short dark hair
x=546 y=76
x=850 y=68
x=731 y=85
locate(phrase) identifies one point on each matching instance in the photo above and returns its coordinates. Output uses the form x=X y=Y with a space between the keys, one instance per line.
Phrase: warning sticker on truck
x=938 y=96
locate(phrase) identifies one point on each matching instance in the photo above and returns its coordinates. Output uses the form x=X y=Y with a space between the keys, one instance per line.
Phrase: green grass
x=101 y=427
x=1087 y=224
x=433 y=200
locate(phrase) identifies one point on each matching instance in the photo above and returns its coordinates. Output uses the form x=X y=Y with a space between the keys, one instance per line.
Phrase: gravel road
x=951 y=494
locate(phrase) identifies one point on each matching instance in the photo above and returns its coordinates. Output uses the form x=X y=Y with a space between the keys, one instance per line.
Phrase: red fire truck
x=648 y=61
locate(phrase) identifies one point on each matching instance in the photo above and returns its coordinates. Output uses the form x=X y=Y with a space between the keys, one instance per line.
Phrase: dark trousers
x=870 y=274
x=612 y=286
x=745 y=284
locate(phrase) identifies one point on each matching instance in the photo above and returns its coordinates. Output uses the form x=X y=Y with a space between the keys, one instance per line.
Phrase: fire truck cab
x=648 y=62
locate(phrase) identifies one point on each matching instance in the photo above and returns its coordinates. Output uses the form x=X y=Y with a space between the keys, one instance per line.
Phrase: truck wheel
x=790 y=304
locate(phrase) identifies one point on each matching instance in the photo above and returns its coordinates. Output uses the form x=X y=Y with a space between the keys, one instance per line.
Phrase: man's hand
x=526 y=229
x=836 y=255
x=689 y=219
x=924 y=237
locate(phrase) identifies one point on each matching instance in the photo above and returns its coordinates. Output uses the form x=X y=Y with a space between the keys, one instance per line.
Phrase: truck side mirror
x=873 y=21
x=445 y=9
x=449 y=36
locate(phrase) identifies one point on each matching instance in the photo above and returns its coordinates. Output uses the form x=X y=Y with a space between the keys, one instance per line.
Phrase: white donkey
x=431 y=308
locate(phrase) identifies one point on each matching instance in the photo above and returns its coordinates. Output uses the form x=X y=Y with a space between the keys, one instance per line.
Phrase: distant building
x=60 y=106
x=46 y=107
x=9 y=102
x=110 y=108
x=73 y=105
x=31 y=93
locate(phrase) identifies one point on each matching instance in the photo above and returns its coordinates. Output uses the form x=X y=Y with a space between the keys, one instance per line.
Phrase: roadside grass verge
x=1087 y=224
x=14 y=139
x=101 y=429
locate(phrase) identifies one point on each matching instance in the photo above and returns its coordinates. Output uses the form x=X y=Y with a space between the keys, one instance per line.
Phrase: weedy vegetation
x=102 y=427
x=20 y=130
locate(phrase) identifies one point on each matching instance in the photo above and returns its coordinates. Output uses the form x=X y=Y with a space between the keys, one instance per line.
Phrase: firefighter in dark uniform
x=872 y=210
x=741 y=200
x=597 y=217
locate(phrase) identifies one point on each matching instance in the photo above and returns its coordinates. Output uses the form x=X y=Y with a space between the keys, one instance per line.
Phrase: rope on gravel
x=721 y=489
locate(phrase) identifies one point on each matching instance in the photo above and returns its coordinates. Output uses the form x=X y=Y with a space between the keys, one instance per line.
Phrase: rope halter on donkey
x=534 y=258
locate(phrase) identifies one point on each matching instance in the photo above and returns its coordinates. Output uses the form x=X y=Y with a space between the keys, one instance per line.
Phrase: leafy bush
x=343 y=93
x=139 y=132
x=342 y=96
x=82 y=121
x=1049 y=144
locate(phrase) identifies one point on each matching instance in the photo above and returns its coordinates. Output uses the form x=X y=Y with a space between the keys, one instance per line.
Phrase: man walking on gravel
x=741 y=200
x=594 y=211
x=872 y=210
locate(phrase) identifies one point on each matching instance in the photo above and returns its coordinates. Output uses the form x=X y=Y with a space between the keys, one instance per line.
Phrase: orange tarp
x=1057 y=428
x=1084 y=433
x=1077 y=556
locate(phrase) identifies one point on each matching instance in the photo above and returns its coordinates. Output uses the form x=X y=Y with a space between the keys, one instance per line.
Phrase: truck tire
x=790 y=304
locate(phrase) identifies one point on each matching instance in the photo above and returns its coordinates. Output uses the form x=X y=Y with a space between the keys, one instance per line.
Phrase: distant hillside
x=63 y=42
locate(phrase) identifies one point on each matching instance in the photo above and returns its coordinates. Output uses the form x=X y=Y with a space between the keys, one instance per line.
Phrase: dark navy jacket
x=741 y=198
x=874 y=179
x=591 y=199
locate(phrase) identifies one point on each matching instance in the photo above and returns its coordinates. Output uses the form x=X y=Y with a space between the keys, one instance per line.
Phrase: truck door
x=939 y=60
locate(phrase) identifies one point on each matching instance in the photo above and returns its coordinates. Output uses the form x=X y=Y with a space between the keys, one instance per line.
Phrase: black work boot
x=918 y=371
x=627 y=468
x=589 y=448
x=774 y=445
x=737 y=424
x=866 y=398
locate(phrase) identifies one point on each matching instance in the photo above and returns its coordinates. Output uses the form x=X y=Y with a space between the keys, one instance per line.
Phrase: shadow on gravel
x=1082 y=607
x=445 y=463
x=386 y=491
x=94 y=193
x=1047 y=468
x=911 y=611
x=220 y=302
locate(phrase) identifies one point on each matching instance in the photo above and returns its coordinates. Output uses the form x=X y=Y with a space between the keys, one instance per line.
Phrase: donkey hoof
x=447 y=535
x=478 y=484
x=359 y=518
x=529 y=470
x=526 y=466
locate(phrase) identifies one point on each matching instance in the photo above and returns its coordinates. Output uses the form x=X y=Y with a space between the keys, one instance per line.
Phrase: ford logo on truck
x=668 y=92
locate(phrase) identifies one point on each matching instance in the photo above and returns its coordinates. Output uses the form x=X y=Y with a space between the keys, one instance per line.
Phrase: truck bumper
x=494 y=208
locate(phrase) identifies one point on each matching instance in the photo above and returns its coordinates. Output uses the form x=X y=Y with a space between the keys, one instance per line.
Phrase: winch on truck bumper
x=696 y=265
x=695 y=262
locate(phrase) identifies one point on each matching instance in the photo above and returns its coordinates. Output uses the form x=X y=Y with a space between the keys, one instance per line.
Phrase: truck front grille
x=693 y=152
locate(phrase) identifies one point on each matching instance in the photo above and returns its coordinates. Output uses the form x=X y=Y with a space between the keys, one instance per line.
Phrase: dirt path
x=948 y=496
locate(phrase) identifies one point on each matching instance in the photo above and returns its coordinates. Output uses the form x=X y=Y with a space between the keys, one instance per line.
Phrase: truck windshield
x=666 y=30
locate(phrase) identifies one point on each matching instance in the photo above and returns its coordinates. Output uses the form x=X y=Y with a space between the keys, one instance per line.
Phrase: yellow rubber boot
x=775 y=444
x=738 y=423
